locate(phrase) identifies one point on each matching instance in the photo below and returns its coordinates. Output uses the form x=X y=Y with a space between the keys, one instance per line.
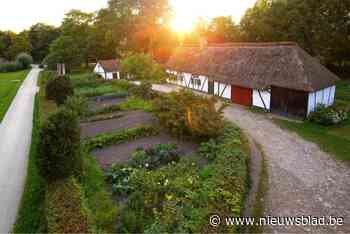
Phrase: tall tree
x=41 y=36
x=222 y=29
x=320 y=27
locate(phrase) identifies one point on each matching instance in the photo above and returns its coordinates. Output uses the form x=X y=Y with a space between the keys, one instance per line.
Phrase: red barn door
x=241 y=96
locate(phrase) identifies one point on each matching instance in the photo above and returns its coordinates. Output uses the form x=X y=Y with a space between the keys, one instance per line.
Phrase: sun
x=184 y=19
x=187 y=12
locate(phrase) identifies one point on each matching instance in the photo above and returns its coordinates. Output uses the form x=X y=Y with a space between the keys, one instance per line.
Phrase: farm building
x=108 y=69
x=279 y=77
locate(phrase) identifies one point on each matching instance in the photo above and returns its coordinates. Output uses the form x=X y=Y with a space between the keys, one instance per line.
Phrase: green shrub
x=64 y=208
x=142 y=67
x=59 y=89
x=24 y=60
x=9 y=67
x=59 y=146
x=78 y=105
x=328 y=116
x=185 y=114
x=108 y=139
x=144 y=90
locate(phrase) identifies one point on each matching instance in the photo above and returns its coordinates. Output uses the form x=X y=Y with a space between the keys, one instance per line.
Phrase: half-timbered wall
x=322 y=97
x=222 y=90
x=262 y=99
x=199 y=83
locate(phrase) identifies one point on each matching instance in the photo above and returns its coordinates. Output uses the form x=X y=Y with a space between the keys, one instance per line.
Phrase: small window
x=180 y=78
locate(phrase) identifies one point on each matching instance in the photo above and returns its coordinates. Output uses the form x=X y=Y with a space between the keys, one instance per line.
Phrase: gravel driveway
x=303 y=180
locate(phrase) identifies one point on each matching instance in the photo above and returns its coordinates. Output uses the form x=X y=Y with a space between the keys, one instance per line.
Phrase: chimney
x=203 y=43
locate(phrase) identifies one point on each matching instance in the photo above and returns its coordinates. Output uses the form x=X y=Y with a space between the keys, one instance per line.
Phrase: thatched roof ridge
x=255 y=65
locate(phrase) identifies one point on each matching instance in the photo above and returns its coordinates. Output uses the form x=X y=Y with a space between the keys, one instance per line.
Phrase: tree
x=78 y=26
x=64 y=50
x=19 y=44
x=222 y=29
x=321 y=27
x=142 y=67
x=41 y=36
x=24 y=60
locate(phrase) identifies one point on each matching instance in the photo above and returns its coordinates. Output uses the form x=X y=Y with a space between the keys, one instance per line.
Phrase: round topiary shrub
x=59 y=89
x=144 y=90
x=59 y=154
x=24 y=60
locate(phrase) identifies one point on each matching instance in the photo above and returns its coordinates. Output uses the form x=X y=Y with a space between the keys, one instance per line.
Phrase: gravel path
x=303 y=180
x=15 y=140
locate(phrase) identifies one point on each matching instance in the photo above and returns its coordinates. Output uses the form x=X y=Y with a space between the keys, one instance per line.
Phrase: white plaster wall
x=219 y=88
x=266 y=96
x=325 y=97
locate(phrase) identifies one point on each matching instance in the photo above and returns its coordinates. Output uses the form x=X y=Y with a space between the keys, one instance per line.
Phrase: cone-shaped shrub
x=59 y=147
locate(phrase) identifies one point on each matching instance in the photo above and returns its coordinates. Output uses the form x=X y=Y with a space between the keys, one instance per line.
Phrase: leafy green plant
x=328 y=116
x=209 y=149
x=118 y=175
x=156 y=156
x=59 y=146
x=59 y=89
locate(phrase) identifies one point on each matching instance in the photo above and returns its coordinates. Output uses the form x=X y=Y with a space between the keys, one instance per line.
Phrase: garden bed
x=129 y=120
x=122 y=153
x=103 y=102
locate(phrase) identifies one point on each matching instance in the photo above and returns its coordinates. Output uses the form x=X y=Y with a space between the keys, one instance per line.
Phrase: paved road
x=303 y=180
x=15 y=140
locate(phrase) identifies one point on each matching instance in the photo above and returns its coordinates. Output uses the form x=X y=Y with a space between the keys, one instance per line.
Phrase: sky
x=17 y=15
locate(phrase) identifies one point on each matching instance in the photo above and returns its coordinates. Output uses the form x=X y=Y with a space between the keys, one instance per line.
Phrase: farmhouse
x=279 y=77
x=108 y=69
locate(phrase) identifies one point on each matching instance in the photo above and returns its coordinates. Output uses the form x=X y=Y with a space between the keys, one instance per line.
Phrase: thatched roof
x=111 y=65
x=255 y=65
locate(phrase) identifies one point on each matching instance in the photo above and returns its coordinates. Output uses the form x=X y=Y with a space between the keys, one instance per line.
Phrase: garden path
x=15 y=141
x=303 y=180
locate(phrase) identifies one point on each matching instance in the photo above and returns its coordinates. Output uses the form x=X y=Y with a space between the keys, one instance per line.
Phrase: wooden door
x=287 y=102
x=241 y=96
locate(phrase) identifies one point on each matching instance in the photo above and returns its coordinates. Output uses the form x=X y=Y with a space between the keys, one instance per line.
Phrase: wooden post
x=61 y=69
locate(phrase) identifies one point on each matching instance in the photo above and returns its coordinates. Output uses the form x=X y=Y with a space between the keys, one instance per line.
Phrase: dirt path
x=15 y=140
x=303 y=180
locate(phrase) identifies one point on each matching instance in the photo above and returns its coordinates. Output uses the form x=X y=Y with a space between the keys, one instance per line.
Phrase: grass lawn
x=333 y=139
x=9 y=84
